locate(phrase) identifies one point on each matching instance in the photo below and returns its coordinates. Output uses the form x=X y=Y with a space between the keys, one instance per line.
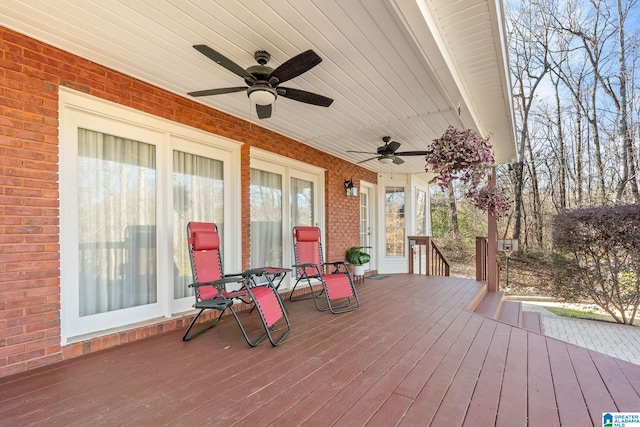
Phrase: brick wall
x=30 y=74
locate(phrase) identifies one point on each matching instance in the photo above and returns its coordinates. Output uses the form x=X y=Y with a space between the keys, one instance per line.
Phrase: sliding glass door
x=282 y=195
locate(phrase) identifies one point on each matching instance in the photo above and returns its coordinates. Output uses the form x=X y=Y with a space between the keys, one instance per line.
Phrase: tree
x=528 y=36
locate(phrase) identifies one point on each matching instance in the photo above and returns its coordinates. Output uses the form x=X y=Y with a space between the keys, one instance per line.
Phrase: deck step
x=511 y=313
x=491 y=305
x=532 y=321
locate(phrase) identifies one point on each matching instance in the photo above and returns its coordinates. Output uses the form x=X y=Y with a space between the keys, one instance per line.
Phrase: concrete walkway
x=621 y=341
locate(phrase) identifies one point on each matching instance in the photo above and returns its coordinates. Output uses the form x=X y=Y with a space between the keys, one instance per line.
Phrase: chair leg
x=306 y=297
x=186 y=336
x=244 y=332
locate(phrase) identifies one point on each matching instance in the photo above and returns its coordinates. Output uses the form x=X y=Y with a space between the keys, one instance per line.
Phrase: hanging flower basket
x=490 y=199
x=459 y=154
x=464 y=155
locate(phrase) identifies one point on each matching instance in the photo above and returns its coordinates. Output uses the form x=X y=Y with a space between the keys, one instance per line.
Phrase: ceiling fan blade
x=397 y=161
x=223 y=60
x=362 y=161
x=295 y=66
x=304 y=96
x=412 y=153
x=264 y=111
x=392 y=146
x=220 y=91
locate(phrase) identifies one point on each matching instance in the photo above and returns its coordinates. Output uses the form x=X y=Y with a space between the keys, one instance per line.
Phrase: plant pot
x=358 y=270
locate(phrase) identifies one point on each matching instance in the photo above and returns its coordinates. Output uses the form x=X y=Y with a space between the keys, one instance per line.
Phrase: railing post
x=429 y=267
x=481 y=259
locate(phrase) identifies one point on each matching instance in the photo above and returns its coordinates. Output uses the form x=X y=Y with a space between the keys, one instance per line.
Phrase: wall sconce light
x=352 y=190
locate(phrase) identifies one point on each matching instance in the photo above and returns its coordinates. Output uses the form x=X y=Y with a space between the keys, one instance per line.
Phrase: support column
x=492 y=244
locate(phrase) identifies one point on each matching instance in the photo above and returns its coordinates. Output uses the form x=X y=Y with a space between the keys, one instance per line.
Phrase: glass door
x=365 y=222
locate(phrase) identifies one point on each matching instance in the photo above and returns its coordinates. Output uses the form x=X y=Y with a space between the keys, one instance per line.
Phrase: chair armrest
x=233 y=275
x=304 y=267
x=220 y=283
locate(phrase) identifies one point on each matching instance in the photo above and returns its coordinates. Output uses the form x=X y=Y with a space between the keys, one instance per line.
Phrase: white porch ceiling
x=402 y=68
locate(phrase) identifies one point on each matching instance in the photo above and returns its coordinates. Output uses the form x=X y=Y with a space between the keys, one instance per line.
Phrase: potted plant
x=358 y=259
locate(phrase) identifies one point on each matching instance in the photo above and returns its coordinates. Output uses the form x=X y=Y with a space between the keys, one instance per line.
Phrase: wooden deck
x=413 y=355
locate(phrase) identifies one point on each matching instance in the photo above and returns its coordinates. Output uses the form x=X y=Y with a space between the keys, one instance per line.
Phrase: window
x=116 y=180
x=302 y=202
x=394 y=221
x=129 y=184
x=421 y=213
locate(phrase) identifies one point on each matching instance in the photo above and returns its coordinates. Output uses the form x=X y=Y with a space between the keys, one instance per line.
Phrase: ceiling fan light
x=262 y=95
x=386 y=160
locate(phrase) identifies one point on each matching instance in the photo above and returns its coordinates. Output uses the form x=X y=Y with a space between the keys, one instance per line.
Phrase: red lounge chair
x=337 y=285
x=211 y=288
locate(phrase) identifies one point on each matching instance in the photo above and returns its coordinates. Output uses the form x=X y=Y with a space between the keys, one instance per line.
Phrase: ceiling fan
x=389 y=153
x=263 y=82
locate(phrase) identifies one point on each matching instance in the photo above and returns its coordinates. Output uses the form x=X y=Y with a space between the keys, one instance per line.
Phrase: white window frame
x=85 y=111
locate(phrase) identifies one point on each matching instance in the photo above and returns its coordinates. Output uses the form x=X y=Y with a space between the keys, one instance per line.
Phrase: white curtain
x=301 y=202
x=198 y=195
x=266 y=219
x=117 y=222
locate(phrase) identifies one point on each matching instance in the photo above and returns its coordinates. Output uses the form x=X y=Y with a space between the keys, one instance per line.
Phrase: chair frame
x=309 y=271
x=249 y=292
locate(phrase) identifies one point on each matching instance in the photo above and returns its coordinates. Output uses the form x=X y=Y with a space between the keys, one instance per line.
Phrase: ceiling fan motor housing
x=262 y=56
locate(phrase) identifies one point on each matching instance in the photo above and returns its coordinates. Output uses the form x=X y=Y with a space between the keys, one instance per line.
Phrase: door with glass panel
x=281 y=198
x=365 y=222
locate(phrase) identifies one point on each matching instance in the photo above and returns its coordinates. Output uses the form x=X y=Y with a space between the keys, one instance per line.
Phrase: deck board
x=454 y=405
x=412 y=355
x=572 y=408
x=512 y=404
x=593 y=389
x=483 y=406
x=431 y=394
x=541 y=394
